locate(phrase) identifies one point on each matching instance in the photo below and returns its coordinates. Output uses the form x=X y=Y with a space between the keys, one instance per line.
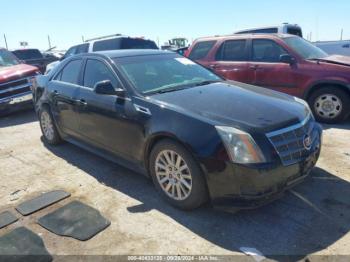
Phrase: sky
x=66 y=21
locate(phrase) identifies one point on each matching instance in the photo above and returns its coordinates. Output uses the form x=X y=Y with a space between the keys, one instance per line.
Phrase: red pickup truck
x=282 y=62
x=15 y=83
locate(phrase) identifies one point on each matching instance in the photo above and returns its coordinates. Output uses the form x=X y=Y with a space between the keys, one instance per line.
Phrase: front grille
x=289 y=142
x=15 y=87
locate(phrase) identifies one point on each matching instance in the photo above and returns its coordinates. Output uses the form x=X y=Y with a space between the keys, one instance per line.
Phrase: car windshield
x=164 y=73
x=7 y=58
x=305 y=48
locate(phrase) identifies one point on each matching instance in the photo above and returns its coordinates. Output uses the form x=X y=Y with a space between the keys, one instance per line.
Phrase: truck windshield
x=7 y=58
x=305 y=48
x=164 y=73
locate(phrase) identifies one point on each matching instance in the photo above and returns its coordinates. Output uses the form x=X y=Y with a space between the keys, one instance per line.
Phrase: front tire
x=177 y=176
x=330 y=105
x=48 y=128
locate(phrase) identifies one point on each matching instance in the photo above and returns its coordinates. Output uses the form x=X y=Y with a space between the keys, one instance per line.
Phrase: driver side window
x=96 y=71
x=267 y=51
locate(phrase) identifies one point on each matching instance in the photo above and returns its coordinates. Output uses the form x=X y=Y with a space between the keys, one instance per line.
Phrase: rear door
x=64 y=89
x=231 y=61
x=267 y=69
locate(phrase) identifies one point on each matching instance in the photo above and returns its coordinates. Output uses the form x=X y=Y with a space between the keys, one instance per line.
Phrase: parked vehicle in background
x=34 y=57
x=285 y=28
x=179 y=45
x=285 y=63
x=145 y=109
x=335 y=47
x=15 y=83
x=104 y=43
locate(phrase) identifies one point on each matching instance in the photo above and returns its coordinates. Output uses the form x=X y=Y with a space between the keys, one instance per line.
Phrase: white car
x=110 y=42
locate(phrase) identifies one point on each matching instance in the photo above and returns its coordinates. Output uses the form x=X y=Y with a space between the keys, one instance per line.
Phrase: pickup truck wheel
x=330 y=105
x=177 y=176
x=48 y=128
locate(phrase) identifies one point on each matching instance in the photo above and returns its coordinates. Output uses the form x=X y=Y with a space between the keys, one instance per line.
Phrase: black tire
x=55 y=139
x=198 y=194
x=340 y=94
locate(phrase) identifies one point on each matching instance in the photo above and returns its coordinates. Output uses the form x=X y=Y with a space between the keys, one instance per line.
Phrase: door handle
x=254 y=67
x=213 y=66
x=82 y=102
x=55 y=92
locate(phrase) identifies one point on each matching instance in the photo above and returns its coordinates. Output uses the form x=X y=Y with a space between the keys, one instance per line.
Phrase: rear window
x=201 y=50
x=294 y=31
x=232 y=50
x=134 y=43
x=109 y=44
x=124 y=43
x=26 y=54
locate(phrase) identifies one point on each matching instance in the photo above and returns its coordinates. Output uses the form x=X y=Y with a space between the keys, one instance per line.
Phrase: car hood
x=9 y=73
x=246 y=107
x=337 y=59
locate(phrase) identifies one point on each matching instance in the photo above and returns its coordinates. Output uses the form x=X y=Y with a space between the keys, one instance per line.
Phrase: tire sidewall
x=198 y=195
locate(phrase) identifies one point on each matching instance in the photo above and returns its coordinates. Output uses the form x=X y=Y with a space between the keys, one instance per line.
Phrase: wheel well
x=320 y=85
x=161 y=137
x=150 y=145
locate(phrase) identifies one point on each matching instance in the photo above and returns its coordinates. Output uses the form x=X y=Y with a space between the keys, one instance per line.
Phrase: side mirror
x=288 y=59
x=106 y=88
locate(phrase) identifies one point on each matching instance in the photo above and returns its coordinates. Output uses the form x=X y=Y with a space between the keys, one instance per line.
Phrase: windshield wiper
x=206 y=82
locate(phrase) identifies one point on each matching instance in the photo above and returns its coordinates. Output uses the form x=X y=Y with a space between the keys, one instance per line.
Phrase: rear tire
x=48 y=127
x=330 y=105
x=177 y=176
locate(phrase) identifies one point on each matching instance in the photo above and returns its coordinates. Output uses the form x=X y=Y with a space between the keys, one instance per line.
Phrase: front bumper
x=235 y=186
x=16 y=102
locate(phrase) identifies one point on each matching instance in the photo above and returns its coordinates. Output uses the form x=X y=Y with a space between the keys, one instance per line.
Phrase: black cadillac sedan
x=196 y=135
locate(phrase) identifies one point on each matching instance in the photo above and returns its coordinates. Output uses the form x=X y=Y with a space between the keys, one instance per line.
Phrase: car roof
x=127 y=53
x=244 y=36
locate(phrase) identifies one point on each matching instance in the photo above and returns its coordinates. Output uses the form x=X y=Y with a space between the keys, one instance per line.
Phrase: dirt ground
x=312 y=219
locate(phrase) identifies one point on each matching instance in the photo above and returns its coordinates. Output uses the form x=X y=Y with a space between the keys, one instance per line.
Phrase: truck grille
x=289 y=142
x=15 y=87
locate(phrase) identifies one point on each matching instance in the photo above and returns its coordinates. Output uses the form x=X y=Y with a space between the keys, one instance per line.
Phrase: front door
x=268 y=71
x=105 y=120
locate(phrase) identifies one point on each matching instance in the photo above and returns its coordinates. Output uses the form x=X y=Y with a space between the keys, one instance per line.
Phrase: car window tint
x=201 y=50
x=232 y=50
x=267 y=51
x=27 y=54
x=82 y=49
x=96 y=71
x=71 y=51
x=71 y=71
x=109 y=44
x=136 y=43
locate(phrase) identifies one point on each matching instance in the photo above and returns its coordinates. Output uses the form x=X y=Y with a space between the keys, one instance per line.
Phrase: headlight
x=240 y=146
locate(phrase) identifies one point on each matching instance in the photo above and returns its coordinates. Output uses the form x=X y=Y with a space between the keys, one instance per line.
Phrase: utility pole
x=341 y=34
x=6 y=42
x=48 y=39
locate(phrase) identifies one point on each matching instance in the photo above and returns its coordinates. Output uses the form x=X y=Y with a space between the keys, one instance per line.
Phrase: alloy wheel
x=173 y=175
x=47 y=125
